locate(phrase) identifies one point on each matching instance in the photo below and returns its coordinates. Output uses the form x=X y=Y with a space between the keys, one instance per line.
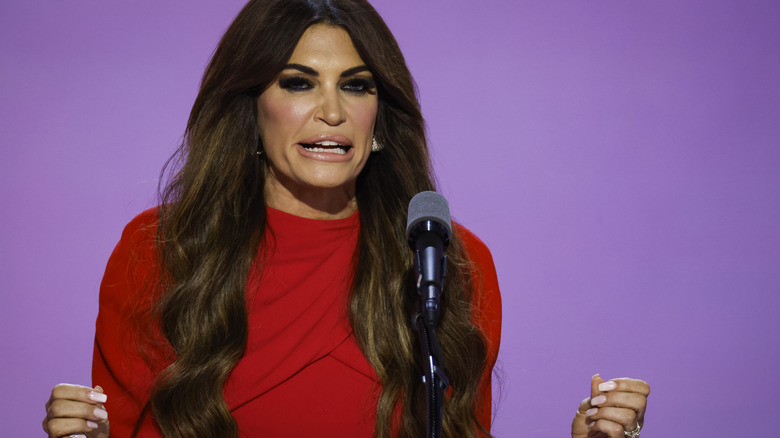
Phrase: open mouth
x=327 y=147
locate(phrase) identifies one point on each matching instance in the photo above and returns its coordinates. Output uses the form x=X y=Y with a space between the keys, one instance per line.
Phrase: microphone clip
x=429 y=239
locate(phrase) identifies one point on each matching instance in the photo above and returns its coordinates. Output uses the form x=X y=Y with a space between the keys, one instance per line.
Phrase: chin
x=329 y=184
x=328 y=180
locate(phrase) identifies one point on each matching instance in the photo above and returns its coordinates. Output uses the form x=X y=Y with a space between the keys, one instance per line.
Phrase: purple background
x=620 y=158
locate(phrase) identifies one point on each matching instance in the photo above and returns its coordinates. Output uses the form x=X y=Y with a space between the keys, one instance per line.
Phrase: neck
x=311 y=202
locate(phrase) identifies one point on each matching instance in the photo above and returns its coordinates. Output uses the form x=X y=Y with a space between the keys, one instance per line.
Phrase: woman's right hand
x=76 y=411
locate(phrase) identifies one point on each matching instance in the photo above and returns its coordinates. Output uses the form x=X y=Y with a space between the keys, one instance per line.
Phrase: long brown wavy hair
x=212 y=218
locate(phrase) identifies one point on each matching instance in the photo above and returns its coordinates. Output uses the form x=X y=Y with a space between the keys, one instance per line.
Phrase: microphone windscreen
x=428 y=206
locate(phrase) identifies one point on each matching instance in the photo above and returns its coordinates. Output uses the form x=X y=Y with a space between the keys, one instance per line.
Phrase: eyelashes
x=294 y=83
x=355 y=85
x=360 y=85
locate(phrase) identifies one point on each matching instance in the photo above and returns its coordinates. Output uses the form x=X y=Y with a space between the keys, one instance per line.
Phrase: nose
x=331 y=110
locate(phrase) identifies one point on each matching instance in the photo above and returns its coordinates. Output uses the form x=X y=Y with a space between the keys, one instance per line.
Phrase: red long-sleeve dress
x=303 y=373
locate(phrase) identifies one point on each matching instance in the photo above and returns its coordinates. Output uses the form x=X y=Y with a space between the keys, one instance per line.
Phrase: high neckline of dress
x=287 y=227
x=275 y=216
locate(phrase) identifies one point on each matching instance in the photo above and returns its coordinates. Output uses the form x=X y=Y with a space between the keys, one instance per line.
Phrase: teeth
x=328 y=143
x=328 y=150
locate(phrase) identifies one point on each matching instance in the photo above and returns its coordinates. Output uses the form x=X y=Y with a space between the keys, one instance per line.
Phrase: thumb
x=99 y=389
x=595 y=381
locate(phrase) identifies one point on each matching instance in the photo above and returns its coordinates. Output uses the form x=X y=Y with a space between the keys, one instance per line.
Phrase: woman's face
x=316 y=122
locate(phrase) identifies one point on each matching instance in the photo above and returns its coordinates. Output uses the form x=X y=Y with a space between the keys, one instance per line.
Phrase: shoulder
x=134 y=258
x=480 y=260
x=142 y=226
x=487 y=297
x=476 y=249
x=139 y=235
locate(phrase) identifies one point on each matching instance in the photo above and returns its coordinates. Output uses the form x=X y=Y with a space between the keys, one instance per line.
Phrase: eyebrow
x=310 y=71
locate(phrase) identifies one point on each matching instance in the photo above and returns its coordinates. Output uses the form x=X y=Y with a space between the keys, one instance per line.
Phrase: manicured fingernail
x=92 y=425
x=591 y=411
x=98 y=397
x=591 y=424
x=607 y=386
x=598 y=400
x=100 y=413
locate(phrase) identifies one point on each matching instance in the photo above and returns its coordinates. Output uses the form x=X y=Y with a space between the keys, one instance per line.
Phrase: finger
x=59 y=427
x=77 y=393
x=74 y=409
x=631 y=385
x=584 y=406
x=99 y=390
x=625 y=417
x=630 y=400
x=595 y=381
x=609 y=428
x=578 y=425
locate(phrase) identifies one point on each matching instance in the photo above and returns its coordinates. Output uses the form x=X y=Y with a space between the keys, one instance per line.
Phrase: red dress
x=302 y=373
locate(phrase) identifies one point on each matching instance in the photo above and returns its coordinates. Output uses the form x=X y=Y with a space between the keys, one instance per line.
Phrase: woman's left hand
x=614 y=409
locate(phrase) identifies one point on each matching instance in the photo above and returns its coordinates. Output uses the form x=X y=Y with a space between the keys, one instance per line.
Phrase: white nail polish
x=92 y=425
x=98 y=397
x=591 y=412
x=100 y=413
x=598 y=400
x=607 y=386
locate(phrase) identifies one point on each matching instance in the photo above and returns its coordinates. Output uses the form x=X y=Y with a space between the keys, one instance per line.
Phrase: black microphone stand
x=429 y=286
x=436 y=381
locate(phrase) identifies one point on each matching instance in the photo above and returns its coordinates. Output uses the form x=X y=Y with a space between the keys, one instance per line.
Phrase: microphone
x=428 y=230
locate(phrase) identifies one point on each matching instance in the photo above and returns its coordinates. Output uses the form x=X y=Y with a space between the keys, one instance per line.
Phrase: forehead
x=325 y=46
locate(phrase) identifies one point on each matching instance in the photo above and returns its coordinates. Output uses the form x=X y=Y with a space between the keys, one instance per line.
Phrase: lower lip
x=333 y=157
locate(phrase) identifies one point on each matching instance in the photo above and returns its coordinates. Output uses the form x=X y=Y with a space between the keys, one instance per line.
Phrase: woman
x=275 y=276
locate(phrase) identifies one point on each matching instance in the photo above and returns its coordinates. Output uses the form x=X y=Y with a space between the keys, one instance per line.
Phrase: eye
x=295 y=83
x=359 y=86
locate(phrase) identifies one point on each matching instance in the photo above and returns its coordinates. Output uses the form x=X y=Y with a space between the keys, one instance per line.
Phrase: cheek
x=364 y=116
x=280 y=118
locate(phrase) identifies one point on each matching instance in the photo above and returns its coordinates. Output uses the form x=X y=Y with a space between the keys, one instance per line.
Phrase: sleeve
x=118 y=365
x=487 y=313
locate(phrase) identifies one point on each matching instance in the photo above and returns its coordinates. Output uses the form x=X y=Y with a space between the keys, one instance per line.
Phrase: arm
x=118 y=364
x=118 y=367
x=487 y=317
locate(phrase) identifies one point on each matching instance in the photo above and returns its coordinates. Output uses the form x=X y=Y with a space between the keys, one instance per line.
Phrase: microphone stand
x=425 y=322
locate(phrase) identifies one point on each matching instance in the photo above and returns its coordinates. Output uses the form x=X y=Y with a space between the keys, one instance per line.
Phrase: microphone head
x=428 y=206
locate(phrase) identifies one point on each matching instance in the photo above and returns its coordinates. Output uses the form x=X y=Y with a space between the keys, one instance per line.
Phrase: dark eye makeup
x=360 y=85
x=295 y=83
x=356 y=85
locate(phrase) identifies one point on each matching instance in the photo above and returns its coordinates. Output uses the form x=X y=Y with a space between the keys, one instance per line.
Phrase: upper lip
x=340 y=139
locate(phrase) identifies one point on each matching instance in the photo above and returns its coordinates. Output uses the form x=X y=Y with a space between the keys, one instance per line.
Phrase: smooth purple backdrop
x=620 y=158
